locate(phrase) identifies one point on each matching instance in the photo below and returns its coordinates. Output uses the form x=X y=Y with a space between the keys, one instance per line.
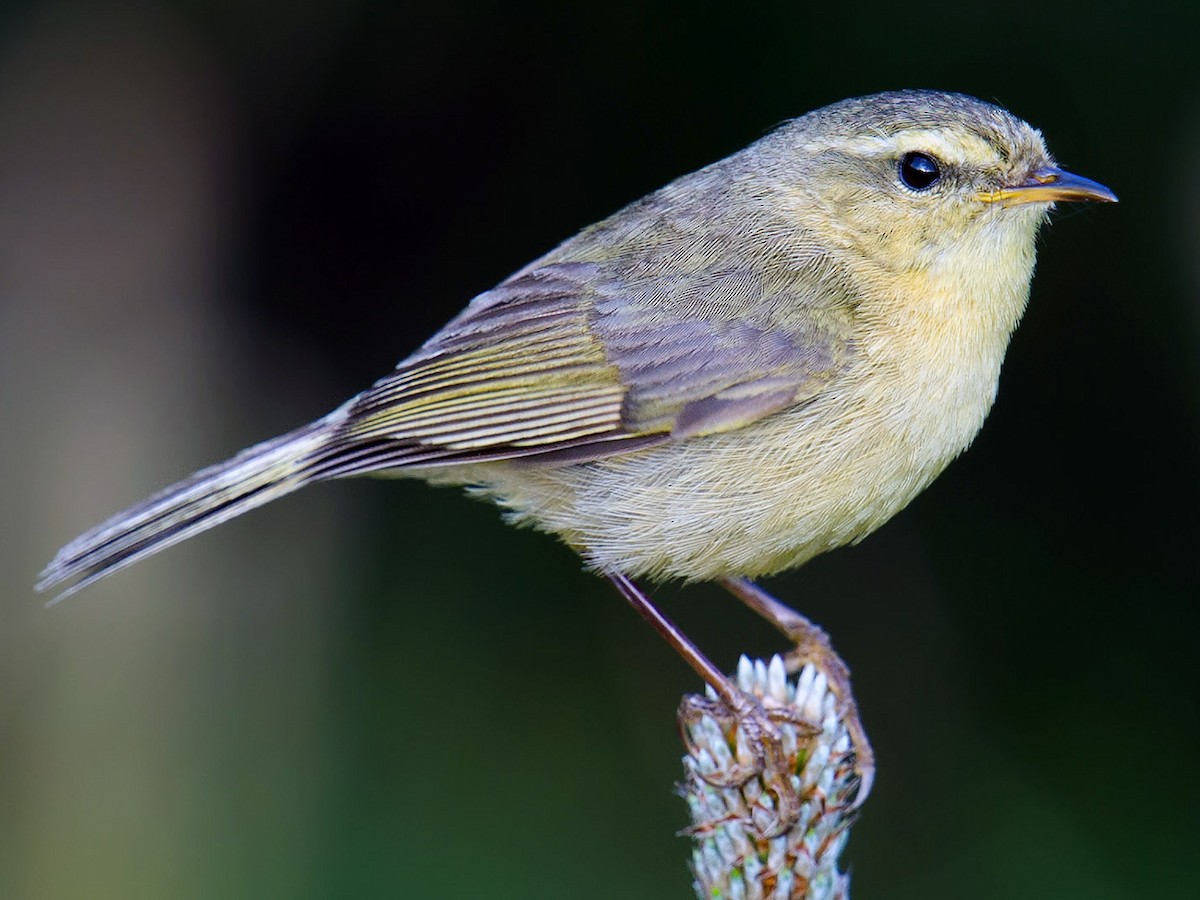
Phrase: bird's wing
x=566 y=362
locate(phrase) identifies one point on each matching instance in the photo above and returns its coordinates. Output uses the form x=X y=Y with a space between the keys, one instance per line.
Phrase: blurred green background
x=218 y=220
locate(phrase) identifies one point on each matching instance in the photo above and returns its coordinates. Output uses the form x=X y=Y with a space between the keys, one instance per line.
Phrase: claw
x=866 y=781
x=812 y=645
x=757 y=751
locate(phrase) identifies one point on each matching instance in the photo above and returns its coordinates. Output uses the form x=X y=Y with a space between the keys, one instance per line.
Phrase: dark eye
x=919 y=170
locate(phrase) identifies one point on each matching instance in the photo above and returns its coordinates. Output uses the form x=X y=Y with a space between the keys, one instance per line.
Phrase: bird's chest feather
x=932 y=375
x=924 y=380
x=934 y=348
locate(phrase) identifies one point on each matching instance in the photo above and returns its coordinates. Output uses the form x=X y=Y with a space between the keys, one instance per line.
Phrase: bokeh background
x=218 y=220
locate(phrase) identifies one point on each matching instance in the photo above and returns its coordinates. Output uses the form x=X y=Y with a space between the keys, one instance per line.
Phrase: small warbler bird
x=763 y=360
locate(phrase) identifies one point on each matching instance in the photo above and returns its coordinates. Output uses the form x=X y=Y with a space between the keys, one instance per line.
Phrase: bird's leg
x=732 y=709
x=811 y=645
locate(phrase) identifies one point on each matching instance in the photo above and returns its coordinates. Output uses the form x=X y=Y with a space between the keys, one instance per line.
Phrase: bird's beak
x=1048 y=185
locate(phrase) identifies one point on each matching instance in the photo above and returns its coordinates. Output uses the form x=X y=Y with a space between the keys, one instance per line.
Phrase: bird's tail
x=209 y=497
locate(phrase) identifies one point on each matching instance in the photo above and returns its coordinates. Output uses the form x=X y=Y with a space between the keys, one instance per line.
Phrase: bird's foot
x=752 y=729
x=811 y=645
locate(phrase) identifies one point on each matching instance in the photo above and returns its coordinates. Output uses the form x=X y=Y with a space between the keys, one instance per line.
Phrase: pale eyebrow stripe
x=930 y=140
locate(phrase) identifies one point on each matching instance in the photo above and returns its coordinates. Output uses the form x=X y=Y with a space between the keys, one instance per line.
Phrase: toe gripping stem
x=763 y=738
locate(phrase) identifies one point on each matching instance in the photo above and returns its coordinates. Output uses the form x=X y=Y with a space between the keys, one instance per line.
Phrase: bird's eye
x=919 y=170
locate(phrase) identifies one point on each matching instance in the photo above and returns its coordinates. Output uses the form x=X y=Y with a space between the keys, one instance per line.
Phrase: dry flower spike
x=733 y=817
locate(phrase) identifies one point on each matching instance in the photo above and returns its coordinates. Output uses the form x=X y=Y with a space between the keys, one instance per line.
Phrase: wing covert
x=570 y=361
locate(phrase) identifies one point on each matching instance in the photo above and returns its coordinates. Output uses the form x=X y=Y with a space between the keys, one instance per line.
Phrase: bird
x=764 y=360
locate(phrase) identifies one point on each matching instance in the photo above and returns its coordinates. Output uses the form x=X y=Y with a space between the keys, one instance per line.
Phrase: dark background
x=219 y=220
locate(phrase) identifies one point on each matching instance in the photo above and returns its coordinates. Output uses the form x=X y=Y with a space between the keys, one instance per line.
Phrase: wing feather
x=573 y=360
x=519 y=369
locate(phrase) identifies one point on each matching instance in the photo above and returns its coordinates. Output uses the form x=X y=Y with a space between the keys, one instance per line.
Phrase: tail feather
x=211 y=496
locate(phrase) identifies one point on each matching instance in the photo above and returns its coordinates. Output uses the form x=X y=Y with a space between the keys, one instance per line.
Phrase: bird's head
x=914 y=179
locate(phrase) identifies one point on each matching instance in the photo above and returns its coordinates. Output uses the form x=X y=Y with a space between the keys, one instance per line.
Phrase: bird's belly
x=751 y=502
